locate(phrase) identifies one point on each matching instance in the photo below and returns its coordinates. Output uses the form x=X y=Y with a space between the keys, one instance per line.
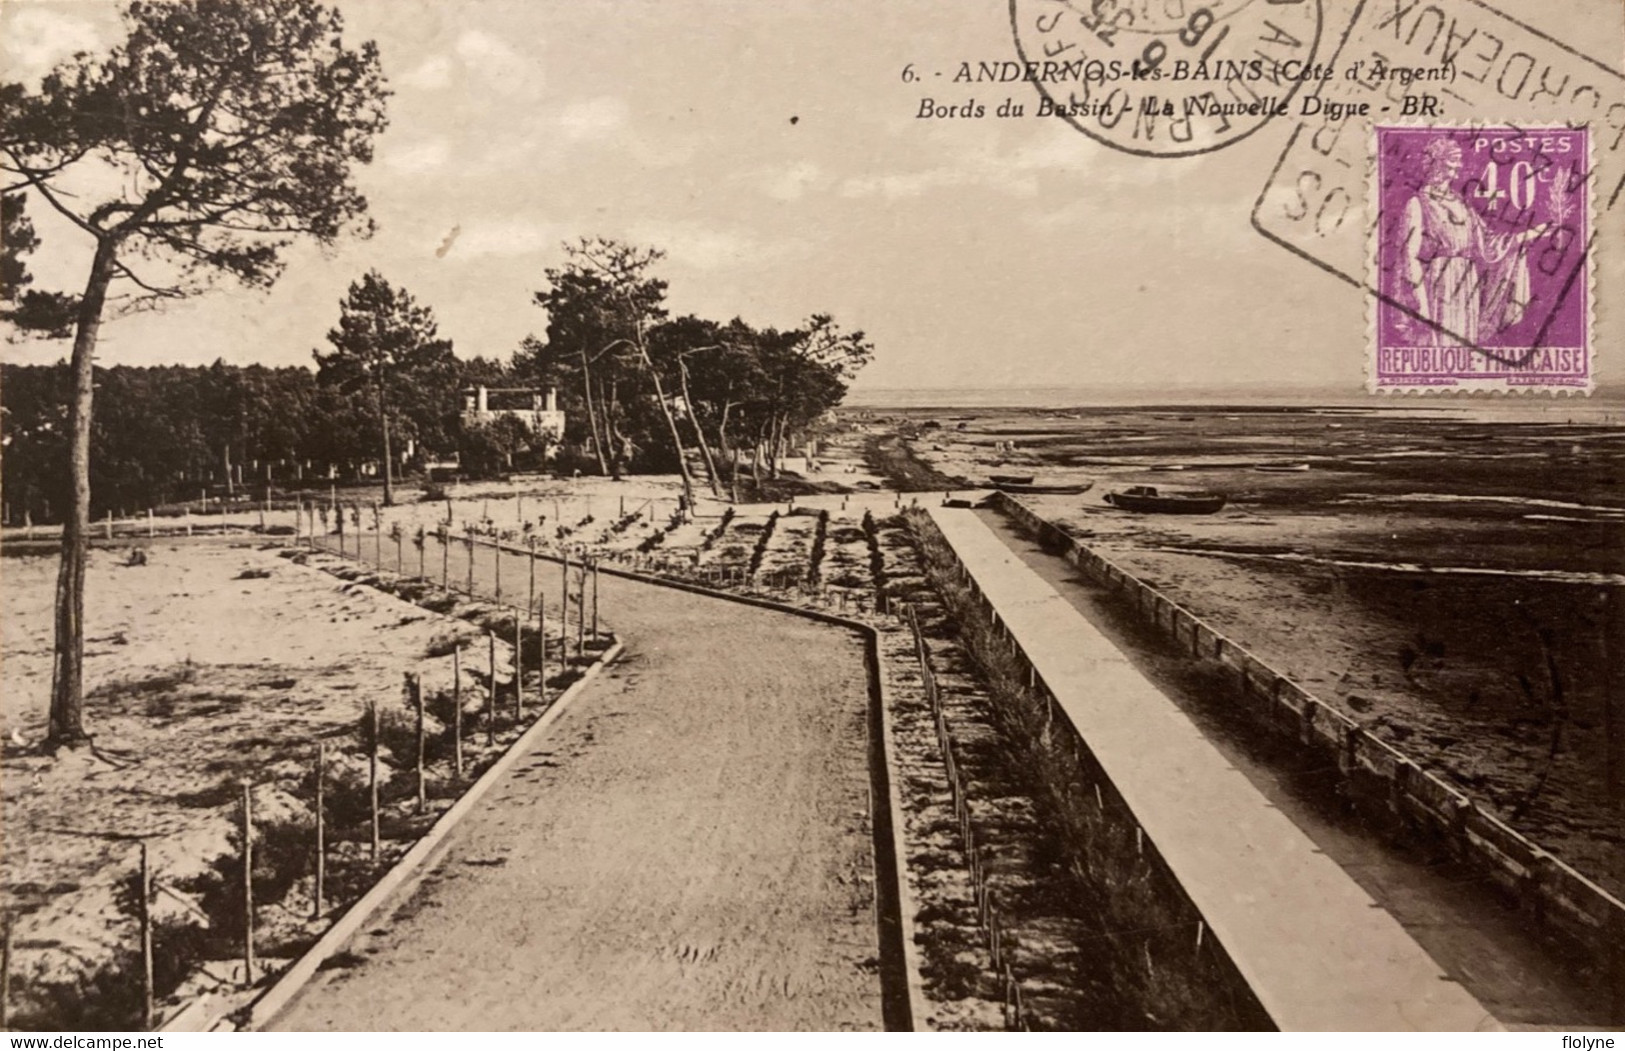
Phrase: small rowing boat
x=1147 y=499
x=1042 y=489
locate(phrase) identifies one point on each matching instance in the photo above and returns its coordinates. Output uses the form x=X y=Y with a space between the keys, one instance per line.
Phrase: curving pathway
x=689 y=849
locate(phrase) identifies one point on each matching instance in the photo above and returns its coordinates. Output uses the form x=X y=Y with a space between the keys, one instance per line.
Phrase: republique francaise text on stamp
x=1478 y=252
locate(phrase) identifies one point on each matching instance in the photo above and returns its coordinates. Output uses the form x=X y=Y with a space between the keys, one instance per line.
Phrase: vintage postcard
x=526 y=516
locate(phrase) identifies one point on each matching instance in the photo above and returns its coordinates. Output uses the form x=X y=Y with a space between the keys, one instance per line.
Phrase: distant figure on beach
x=1469 y=281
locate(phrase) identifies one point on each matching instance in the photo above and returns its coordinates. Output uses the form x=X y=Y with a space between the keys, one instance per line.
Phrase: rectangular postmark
x=1478 y=256
x=1517 y=309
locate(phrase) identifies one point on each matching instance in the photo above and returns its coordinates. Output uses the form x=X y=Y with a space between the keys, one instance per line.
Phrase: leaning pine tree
x=218 y=132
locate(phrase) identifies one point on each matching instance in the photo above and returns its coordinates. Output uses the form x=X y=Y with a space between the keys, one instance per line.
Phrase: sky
x=774 y=152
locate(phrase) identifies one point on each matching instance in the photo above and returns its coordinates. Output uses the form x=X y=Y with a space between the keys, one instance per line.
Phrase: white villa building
x=538 y=409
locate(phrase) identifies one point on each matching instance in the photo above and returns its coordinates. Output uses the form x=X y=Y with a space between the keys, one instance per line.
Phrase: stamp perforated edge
x=1372 y=288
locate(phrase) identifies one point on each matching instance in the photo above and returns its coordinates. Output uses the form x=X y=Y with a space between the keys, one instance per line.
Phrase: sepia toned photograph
x=583 y=516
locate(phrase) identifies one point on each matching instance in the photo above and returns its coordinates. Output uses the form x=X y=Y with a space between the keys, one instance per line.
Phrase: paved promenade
x=1317 y=951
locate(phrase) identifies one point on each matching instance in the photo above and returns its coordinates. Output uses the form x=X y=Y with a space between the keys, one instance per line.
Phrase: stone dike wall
x=1387 y=786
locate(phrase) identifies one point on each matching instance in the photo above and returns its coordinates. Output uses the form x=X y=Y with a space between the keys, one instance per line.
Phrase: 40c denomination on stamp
x=1479 y=257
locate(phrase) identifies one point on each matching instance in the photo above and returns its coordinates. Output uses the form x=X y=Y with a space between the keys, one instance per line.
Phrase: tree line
x=641 y=392
x=214 y=136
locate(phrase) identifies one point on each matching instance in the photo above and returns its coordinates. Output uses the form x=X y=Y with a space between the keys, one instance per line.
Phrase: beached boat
x=1010 y=479
x=1147 y=499
x=1281 y=468
x=1039 y=488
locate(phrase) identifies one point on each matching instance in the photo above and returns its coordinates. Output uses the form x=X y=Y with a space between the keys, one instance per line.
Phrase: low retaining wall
x=1188 y=978
x=1380 y=779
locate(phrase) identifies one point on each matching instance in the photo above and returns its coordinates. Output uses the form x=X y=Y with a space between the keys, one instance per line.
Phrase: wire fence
x=987 y=905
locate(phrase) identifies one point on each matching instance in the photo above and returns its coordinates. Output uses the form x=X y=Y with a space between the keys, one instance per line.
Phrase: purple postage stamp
x=1474 y=250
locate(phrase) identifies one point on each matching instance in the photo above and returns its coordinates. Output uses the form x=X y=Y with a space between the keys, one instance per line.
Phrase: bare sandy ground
x=197 y=676
x=689 y=850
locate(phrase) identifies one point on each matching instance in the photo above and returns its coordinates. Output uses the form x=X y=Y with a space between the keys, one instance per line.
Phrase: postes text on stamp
x=1478 y=253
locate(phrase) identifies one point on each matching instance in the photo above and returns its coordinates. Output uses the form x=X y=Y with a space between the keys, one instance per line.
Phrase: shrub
x=761 y=543
x=284 y=853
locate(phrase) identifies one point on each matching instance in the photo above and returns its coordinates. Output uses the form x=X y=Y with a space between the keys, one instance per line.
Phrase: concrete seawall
x=1309 y=944
x=1388 y=787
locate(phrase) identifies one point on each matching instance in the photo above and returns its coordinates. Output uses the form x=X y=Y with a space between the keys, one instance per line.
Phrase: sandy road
x=688 y=850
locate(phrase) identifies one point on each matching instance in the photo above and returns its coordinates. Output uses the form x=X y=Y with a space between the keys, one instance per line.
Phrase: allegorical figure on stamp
x=1467 y=280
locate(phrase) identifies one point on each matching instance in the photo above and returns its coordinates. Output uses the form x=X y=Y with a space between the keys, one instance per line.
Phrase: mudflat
x=1446 y=577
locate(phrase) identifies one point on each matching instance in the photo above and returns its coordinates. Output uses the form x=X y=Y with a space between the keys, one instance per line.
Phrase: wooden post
x=457 y=709
x=5 y=975
x=445 y=560
x=372 y=777
x=146 y=939
x=531 y=542
x=1616 y=967
x=320 y=890
x=541 y=653
x=496 y=551
x=150 y=530
x=564 y=608
x=491 y=694
x=518 y=666
x=581 y=613
x=248 y=883
x=469 y=543
x=107 y=525
x=1613 y=735
x=595 y=603
x=414 y=686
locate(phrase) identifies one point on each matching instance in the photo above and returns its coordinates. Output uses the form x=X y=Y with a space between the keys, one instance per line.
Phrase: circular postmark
x=1167 y=78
